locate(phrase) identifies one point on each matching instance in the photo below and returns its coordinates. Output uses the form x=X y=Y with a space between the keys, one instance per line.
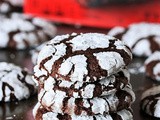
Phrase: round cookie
x=152 y=66
x=150 y=101
x=9 y=6
x=42 y=114
x=24 y=32
x=82 y=57
x=103 y=87
x=58 y=103
x=34 y=53
x=136 y=36
x=15 y=83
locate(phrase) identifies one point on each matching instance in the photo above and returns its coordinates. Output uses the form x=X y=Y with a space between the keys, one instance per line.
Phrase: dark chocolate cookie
x=15 y=83
x=59 y=103
x=82 y=57
x=103 y=87
x=20 y=31
x=142 y=38
x=150 y=101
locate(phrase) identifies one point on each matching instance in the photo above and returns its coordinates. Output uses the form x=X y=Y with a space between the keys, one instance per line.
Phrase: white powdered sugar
x=14 y=81
x=157 y=109
x=150 y=101
x=36 y=51
x=116 y=30
x=90 y=40
x=113 y=59
x=4 y=7
x=24 y=31
x=55 y=100
x=152 y=66
x=138 y=31
x=124 y=114
x=153 y=57
x=79 y=65
x=137 y=35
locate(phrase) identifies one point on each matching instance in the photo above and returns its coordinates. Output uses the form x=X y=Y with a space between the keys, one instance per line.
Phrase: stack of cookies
x=84 y=77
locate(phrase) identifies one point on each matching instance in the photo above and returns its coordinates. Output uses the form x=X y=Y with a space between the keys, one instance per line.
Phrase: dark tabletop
x=23 y=110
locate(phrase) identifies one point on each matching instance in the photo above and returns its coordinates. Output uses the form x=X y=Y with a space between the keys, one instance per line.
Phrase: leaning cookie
x=40 y=113
x=152 y=66
x=58 y=103
x=15 y=83
x=9 y=6
x=150 y=101
x=103 y=87
x=82 y=57
x=24 y=32
x=142 y=38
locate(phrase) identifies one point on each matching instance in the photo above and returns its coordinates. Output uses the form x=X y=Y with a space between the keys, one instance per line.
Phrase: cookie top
x=15 y=83
x=138 y=35
x=103 y=87
x=59 y=103
x=82 y=57
x=150 y=101
x=152 y=66
x=24 y=32
x=41 y=113
x=9 y=6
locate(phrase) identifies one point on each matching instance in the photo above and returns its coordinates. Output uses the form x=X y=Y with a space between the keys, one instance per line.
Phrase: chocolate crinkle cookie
x=82 y=57
x=15 y=83
x=150 y=101
x=152 y=66
x=83 y=77
x=9 y=6
x=142 y=38
x=103 y=87
x=21 y=31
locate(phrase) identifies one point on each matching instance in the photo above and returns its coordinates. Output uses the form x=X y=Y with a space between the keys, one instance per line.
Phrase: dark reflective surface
x=23 y=110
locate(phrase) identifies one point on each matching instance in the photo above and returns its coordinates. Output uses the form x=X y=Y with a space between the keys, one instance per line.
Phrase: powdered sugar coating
x=40 y=113
x=76 y=57
x=15 y=83
x=150 y=101
x=9 y=6
x=152 y=66
x=58 y=102
x=104 y=87
x=35 y=52
x=24 y=32
x=137 y=35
